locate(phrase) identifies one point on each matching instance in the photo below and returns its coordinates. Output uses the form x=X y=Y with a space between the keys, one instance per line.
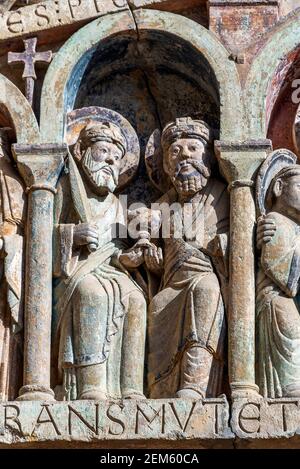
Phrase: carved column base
x=35 y=393
x=240 y=390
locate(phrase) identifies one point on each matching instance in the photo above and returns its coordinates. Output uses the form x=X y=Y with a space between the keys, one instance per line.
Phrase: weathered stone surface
x=50 y=14
x=239 y=162
x=99 y=308
x=29 y=58
x=279 y=354
x=234 y=70
x=169 y=5
x=40 y=167
x=12 y=233
x=238 y=21
x=265 y=418
x=114 y=421
x=186 y=346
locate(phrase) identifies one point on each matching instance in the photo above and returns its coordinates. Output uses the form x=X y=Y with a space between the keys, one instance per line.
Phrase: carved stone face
x=287 y=196
x=186 y=162
x=101 y=164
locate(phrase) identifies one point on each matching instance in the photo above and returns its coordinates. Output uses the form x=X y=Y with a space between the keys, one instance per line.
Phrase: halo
x=79 y=118
x=154 y=163
x=273 y=164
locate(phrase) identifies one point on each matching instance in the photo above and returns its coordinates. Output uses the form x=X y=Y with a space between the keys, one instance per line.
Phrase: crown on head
x=103 y=131
x=185 y=127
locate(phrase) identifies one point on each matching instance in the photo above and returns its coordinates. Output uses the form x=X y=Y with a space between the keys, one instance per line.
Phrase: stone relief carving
x=12 y=228
x=108 y=271
x=186 y=316
x=278 y=320
x=100 y=308
x=6 y=5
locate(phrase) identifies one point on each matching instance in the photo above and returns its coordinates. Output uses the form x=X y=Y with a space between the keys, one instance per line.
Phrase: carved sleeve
x=281 y=257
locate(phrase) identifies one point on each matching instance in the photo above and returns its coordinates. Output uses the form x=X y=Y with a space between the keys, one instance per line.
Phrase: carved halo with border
x=272 y=166
x=79 y=118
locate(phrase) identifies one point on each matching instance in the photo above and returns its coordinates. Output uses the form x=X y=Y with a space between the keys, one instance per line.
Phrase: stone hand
x=266 y=229
x=154 y=259
x=85 y=234
x=133 y=258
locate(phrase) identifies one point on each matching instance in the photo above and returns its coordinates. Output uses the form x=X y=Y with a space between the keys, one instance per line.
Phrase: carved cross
x=29 y=57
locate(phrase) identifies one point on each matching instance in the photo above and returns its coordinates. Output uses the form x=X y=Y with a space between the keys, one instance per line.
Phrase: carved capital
x=40 y=165
x=239 y=161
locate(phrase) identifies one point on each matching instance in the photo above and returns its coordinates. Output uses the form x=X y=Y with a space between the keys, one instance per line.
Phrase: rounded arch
x=20 y=112
x=267 y=74
x=66 y=71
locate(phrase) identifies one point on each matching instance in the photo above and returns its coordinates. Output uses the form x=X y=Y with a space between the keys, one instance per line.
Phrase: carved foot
x=189 y=394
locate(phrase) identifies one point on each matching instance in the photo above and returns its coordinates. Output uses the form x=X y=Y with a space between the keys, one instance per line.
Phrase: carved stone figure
x=101 y=310
x=186 y=317
x=12 y=221
x=278 y=319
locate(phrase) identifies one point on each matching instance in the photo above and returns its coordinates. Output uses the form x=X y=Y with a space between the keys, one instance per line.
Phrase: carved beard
x=190 y=184
x=103 y=181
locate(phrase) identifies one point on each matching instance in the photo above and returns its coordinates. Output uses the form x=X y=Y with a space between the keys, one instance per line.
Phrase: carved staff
x=80 y=198
x=29 y=57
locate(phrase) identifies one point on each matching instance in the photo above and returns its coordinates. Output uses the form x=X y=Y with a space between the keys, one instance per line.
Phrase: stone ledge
x=266 y=418
x=171 y=5
x=45 y=16
x=162 y=423
x=246 y=3
x=49 y=15
x=105 y=423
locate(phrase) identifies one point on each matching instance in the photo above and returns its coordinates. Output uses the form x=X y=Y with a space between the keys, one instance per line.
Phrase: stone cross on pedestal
x=29 y=57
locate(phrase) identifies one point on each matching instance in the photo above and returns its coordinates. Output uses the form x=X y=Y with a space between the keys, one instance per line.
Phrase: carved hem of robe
x=118 y=285
x=278 y=318
x=278 y=350
x=174 y=324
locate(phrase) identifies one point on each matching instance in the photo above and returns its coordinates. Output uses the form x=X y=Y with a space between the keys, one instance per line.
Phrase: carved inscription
x=113 y=420
x=249 y=418
x=265 y=417
x=54 y=13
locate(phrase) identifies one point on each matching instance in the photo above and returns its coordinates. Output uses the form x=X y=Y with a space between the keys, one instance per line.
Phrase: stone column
x=239 y=163
x=40 y=167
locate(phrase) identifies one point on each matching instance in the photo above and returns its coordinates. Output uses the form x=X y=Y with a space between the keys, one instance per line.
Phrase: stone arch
x=269 y=73
x=14 y=103
x=66 y=71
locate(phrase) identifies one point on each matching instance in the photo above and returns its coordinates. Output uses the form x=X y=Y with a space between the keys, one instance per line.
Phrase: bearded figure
x=100 y=320
x=186 y=317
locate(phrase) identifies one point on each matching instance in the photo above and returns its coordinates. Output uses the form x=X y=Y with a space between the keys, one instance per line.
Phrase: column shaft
x=241 y=314
x=239 y=162
x=40 y=167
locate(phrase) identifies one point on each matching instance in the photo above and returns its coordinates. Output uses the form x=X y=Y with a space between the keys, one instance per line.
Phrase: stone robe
x=189 y=308
x=83 y=277
x=12 y=221
x=278 y=319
